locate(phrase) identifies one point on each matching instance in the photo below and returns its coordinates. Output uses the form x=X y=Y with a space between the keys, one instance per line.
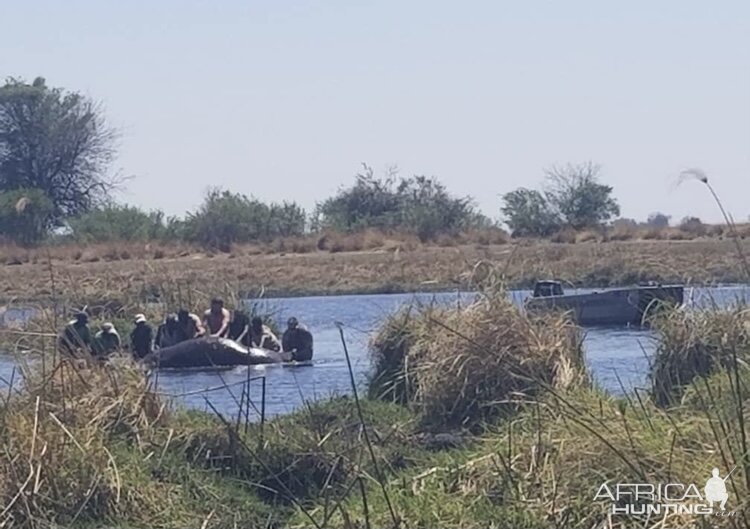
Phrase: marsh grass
x=695 y=343
x=96 y=446
x=460 y=367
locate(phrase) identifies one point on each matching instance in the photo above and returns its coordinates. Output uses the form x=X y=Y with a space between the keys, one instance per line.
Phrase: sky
x=285 y=99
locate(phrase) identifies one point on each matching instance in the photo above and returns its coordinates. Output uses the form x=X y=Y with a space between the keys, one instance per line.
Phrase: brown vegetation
x=133 y=274
x=463 y=366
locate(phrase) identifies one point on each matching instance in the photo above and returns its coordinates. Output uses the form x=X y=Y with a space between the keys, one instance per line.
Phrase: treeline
x=418 y=205
x=56 y=151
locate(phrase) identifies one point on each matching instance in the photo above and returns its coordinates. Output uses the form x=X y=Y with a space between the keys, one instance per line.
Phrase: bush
x=460 y=367
x=225 y=218
x=121 y=223
x=419 y=205
x=693 y=226
x=527 y=213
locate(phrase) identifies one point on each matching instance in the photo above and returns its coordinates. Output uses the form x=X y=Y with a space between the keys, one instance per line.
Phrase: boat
x=614 y=306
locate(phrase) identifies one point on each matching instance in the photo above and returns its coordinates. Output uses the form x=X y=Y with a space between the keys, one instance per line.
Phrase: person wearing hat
x=262 y=336
x=76 y=336
x=298 y=341
x=107 y=340
x=141 y=337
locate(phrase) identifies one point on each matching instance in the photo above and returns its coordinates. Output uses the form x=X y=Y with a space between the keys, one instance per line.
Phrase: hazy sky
x=284 y=99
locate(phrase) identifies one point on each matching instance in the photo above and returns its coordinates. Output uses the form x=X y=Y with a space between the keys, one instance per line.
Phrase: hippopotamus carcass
x=212 y=352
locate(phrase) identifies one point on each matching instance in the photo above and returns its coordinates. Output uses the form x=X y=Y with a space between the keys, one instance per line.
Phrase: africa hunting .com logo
x=668 y=498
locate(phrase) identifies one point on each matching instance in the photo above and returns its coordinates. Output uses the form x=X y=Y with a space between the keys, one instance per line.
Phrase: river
x=617 y=357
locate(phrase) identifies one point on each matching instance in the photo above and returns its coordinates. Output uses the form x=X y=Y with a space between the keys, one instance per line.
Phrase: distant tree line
x=56 y=183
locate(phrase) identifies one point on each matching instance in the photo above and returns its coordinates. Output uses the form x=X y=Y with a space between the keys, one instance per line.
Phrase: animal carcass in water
x=211 y=352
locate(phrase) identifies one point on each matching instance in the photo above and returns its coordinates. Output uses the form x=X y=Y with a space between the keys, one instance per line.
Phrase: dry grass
x=193 y=278
x=459 y=367
x=58 y=462
x=694 y=344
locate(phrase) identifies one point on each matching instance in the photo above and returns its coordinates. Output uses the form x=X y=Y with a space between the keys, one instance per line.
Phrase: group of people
x=217 y=321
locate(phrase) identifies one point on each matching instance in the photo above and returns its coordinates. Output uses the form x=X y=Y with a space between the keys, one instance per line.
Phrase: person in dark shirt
x=167 y=333
x=239 y=327
x=141 y=337
x=189 y=326
x=298 y=341
x=106 y=341
x=76 y=336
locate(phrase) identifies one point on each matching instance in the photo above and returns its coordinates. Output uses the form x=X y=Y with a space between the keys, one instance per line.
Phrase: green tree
x=527 y=213
x=225 y=218
x=658 y=220
x=575 y=194
x=370 y=202
x=55 y=141
x=24 y=215
x=418 y=204
x=427 y=209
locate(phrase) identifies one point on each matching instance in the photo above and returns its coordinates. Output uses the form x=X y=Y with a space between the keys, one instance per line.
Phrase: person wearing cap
x=167 y=333
x=216 y=319
x=76 y=336
x=298 y=341
x=107 y=340
x=261 y=336
x=141 y=337
x=189 y=326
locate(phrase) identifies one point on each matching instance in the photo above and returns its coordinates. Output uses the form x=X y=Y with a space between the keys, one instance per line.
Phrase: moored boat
x=615 y=306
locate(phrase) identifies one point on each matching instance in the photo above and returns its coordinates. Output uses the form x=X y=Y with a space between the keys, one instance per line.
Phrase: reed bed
x=694 y=344
x=191 y=278
x=460 y=367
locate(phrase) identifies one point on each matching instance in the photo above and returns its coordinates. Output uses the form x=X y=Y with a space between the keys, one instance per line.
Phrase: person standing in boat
x=261 y=336
x=189 y=326
x=216 y=319
x=298 y=341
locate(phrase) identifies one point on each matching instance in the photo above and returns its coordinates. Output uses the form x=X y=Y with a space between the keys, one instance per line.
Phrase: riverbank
x=476 y=416
x=107 y=452
x=132 y=277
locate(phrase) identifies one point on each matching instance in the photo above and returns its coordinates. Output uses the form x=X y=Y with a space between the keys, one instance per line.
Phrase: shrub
x=419 y=205
x=527 y=213
x=116 y=223
x=225 y=218
x=565 y=235
x=693 y=226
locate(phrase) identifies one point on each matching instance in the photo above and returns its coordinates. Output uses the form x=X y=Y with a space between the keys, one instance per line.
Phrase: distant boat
x=615 y=306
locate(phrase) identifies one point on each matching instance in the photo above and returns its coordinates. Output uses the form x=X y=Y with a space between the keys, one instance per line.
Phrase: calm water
x=617 y=357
